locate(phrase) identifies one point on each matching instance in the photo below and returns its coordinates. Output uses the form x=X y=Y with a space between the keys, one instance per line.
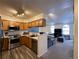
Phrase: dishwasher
x=34 y=45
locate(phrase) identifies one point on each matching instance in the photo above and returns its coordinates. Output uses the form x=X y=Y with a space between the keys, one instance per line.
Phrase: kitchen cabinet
x=36 y=23
x=33 y=24
x=26 y=26
x=26 y=41
x=30 y=24
x=13 y=23
x=29 y=42
x=42 y=22
x=17 y=23
x=5 y=25
x=21 y=26
x=39 y=23
x=5 y=43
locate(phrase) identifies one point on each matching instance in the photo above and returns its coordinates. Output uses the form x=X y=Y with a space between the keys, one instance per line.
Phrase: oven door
x=16 y=40
x=14 y=43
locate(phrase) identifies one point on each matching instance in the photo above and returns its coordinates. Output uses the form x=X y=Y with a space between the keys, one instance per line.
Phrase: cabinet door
x=30 y=43
x=21 y=26
x=5 y=25
x=26 y=26
x=16 y=23
x=13 y=23
x=36 y=23
x=33 y=24
x=24 y=40
x=42 y=22
x=30 y=24
x=5 y=44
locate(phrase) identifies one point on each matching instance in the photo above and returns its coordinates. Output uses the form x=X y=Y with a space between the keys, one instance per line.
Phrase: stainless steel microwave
x=15 y=28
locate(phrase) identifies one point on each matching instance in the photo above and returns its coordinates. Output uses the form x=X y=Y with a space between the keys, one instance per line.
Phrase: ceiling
x=62 y=10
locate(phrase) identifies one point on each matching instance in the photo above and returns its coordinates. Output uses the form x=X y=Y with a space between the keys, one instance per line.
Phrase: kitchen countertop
x=36 y=37
x=5 y=37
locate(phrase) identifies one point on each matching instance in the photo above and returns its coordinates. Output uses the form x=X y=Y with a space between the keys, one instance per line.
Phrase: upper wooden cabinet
x=21 y=26
x=33 y=24
x=16 y=23
x=30 y=24
x=13 y=23
x=42 y=22
x=26 y=26
x=36 y=23
x=5 y=25
x=39 y=23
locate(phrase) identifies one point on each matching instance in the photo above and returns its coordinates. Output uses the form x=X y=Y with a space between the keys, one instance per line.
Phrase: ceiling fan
x=17 y=12
x=20 y=12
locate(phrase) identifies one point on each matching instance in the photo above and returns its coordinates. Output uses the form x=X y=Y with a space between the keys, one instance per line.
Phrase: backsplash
x=34 y=29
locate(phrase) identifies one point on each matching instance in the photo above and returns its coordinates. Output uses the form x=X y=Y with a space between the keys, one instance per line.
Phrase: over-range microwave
x=13 y=28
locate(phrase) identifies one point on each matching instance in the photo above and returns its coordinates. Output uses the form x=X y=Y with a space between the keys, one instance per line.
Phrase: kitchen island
x=37 y=44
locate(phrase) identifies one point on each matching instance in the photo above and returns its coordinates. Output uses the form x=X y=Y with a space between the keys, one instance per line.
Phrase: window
x=52 y=29
x=66 y=30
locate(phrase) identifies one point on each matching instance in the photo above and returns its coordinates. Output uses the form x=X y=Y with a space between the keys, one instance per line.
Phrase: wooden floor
x=19 y=53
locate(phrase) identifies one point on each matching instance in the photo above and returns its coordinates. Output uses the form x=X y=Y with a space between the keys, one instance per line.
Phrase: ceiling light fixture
x=51 y=14
x=20 y=12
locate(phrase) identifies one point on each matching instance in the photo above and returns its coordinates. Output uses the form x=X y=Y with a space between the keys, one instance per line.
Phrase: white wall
x=44 y=29
x=58 y=26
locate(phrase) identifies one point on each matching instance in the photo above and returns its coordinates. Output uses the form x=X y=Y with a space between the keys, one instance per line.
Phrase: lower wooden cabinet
x=29 y=42
x=26 y=41
x=5 y=43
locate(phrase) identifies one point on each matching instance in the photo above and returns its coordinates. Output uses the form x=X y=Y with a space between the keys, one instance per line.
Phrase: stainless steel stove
x=14 y=41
